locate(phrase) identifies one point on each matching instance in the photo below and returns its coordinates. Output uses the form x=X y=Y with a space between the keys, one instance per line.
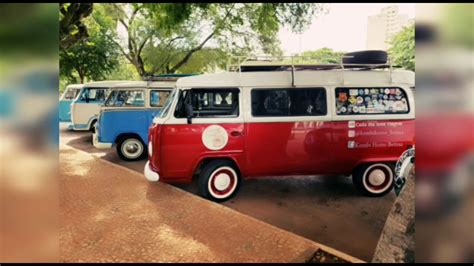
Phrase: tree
x=184 y=29
x=323 y=56
x=93 y=58
x=402 y=49
x=71 y=26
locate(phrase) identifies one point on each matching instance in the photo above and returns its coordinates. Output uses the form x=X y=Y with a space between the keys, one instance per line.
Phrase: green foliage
x=320 y=56
x=457 y=24
x=71 y=23
x=164 y=37
x=205 y=60
x=28 y=30
x=123 y=71
x=90 y=59
x=402 y=50
x=323 y=56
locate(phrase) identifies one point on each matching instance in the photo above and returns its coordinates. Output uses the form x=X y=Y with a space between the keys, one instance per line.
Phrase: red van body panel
x=373 y=141
x=281 y=148
x=287 y=148
x=184 y=149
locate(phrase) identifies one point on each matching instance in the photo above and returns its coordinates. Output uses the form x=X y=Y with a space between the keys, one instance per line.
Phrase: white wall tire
x=219 y=180
x=130 y=149
x=374 y=179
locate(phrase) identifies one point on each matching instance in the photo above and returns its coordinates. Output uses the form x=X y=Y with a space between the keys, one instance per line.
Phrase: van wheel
x=219 y=181
x=131 y=149
x=375 y=179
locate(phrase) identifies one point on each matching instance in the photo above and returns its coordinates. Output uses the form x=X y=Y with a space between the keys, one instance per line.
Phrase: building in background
x=381 y=27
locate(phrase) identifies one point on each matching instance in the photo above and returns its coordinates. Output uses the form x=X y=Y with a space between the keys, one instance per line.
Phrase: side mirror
x=189 y=112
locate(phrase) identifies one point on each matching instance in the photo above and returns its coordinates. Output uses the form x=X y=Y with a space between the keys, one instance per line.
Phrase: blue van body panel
x=65 y=110
x=114 y=122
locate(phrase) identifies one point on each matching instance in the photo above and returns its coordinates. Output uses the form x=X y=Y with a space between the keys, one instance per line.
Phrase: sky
x=343 y=28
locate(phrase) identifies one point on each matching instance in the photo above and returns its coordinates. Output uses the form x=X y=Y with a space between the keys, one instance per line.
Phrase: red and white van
x=267 y=121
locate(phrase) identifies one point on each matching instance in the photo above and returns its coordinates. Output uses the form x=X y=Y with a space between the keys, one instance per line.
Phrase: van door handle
x=236 y=133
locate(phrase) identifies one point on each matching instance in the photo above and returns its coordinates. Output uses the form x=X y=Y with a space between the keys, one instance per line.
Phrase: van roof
x=337 y=77
x=74 y=86
x=105 y=83
x=130 y=83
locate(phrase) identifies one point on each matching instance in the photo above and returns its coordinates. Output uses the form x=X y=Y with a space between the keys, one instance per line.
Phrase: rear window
x=371 y=100
x=158 y=97
x=289 y=102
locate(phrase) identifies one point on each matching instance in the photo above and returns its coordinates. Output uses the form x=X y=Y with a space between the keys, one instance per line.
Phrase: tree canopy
x=163 y=37
x=402 y=49
x=71 y=26
x=324 y=56
x=92 y=58
x=114 y=39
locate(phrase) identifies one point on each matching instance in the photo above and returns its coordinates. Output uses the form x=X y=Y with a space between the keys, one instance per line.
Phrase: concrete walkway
x=109 y=213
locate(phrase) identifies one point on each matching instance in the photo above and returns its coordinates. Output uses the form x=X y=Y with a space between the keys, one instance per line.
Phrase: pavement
x=109 y=213
x=324 y=209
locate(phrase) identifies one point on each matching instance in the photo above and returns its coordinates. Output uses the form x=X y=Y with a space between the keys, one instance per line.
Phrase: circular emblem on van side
x=214 y=137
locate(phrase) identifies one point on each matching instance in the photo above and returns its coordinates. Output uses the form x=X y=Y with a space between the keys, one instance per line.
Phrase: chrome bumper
x=100 y=145
x=150 y=174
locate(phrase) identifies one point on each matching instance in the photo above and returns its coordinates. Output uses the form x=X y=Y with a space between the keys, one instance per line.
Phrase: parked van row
x=125 y=110
x=266 y=120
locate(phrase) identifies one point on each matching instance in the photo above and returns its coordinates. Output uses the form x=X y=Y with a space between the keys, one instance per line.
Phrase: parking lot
x=327 y=210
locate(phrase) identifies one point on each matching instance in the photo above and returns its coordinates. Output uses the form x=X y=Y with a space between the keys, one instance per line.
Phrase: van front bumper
x=67 y=125
x=98 y=144
x=150 y=174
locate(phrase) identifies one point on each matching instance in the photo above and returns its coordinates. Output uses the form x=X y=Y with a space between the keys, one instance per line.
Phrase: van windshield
x=167 y=105
x=71 y=93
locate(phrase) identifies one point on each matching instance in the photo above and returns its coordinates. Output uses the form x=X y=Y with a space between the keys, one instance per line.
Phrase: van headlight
x=150 y=149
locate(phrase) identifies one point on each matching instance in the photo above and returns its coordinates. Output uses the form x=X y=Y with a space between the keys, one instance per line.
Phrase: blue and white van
x=86 y=107
x=68 y=96
x=127 y=114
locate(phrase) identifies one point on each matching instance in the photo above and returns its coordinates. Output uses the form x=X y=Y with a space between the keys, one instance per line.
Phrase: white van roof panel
x=130 y=83
x=74 y=86
x=105 y=83
x=301 y=78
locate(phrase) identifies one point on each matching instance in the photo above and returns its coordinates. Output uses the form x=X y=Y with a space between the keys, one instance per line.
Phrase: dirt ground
x=325 y=209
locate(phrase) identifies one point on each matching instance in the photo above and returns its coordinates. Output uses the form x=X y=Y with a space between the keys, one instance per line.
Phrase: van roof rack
x=167 y=77
x=361 y=60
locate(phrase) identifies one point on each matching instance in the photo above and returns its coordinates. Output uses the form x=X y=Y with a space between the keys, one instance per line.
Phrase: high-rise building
x=381 y=27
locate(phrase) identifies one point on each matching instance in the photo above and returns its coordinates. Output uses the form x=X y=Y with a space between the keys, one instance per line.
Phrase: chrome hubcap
x=222 y=181
x=132 y=148
x=376 y=177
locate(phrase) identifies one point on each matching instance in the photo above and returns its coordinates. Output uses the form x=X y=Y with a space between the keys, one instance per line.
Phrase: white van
x=86 y=107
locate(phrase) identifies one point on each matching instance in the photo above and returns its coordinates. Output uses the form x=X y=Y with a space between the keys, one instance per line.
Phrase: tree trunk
x=397 y=242
x=81 y=76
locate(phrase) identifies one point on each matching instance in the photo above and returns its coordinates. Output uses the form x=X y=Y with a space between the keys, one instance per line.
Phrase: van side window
x=289 y=102
x=209 y=103
x=71 y=94
x=94 y=94
x=369 y=100
x=126 y=98
x=158 y=97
